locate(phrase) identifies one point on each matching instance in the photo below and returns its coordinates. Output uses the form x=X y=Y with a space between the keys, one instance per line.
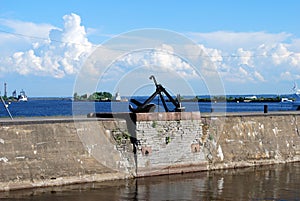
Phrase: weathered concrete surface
x=58 y=151
x=247 y=140
x=184 y=142
x=35 y=153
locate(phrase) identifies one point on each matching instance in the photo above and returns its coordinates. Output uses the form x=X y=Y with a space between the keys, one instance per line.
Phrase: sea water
x=66 y=107
x=274 y=182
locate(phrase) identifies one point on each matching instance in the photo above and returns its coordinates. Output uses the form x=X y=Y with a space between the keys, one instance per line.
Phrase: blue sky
x=254 y=45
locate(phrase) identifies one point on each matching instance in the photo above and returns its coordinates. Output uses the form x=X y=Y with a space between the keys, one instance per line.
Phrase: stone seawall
x=37 y=153
x=47 y=152
x=175 y=143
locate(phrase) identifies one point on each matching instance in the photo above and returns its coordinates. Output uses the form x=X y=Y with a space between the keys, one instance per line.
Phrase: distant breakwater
x=234 y=99
x=202 y=99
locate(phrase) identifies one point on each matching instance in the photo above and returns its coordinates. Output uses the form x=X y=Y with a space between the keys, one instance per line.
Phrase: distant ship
x=22 y=96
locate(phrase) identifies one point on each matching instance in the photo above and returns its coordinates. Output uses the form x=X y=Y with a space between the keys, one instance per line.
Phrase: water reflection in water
x=276 y=182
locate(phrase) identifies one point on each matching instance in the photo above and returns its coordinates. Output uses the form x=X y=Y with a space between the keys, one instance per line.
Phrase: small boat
x=286 y=100
x=22 y=96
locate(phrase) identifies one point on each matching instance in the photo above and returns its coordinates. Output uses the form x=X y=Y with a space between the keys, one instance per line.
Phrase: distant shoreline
x=50 y=98
x=200 y=98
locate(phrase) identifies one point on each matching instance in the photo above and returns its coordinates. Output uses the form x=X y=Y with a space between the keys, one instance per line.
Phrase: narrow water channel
x=274 y=182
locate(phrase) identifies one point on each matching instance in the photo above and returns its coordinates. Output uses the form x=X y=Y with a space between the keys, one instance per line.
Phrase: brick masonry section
x=173 y=146
x=170 y=116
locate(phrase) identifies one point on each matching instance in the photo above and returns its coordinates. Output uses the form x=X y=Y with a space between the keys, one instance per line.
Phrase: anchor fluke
x=147 y=106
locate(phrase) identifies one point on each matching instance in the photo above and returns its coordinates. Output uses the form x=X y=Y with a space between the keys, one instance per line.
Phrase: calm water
x=34 y=108
x=276 y=182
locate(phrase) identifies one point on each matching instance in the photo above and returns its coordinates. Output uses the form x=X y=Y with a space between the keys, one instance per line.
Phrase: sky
x=252 y=46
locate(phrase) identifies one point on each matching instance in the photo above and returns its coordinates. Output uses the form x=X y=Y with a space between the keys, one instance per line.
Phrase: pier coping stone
x=47 y=120
x=170 y=116
x=153 y=116
x=156 y=116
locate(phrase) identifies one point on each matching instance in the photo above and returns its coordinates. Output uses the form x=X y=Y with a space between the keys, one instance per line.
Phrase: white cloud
x=239 y=57
x=233 y=40
x=253 y=56
x=244 y=57
x=215 y=55
x=158 y=61
x=280 y=54
x=29 y=29
x=5 y=38
x=60 y=53
x=263 y=58
x=295 y=59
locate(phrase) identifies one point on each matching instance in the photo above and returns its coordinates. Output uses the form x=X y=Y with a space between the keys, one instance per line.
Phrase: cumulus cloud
x=244 y=57
x=54 y=51
x=234 y=40
x=280 y=54
x=159 y=61
x=254 y=57
x=240 y=57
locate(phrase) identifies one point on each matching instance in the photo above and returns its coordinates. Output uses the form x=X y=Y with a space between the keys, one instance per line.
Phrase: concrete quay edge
x=64 y=181
x=140 y=116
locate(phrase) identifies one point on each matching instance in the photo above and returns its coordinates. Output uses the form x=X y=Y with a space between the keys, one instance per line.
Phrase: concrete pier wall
x=37 y=153
x=47 y=152
x=186 y=142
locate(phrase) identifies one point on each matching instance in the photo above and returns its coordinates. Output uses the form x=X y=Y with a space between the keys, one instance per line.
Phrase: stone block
x=195 y=148
x=146 y=151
